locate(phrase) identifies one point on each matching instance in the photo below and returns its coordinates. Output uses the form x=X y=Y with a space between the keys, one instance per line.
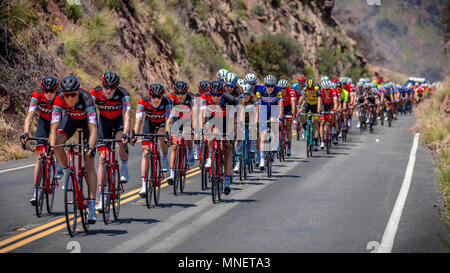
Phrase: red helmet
x=301 y=78
x=334 y=80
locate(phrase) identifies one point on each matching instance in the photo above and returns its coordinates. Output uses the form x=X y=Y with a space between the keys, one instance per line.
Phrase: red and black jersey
x=82 y=109
x=220 y=109
x=113 y=107
x=289 y=95
x=40 y=102
x=156 y=115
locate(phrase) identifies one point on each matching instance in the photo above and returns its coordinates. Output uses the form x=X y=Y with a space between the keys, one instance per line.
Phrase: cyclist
x=113 y=103
x=308 y=102
x=41 y=100
x=327 y=99
x=250 y=106
x=215 y=107
x=252 y=79
x=289 y=99
x=79 y=109
x=184 y=104
x=157 y=109
x=271 y=109
x=221 y=74
x=199 y=100
x=231 y=87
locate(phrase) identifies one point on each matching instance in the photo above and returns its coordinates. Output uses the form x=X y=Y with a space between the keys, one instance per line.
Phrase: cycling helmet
x=49 y=83
x=110 y=80
x=301 y=78
x=203 y=86
x=246 y=89
x=222 y=73
x=334 y=80
x=283 y=83
x=251 y=78
x=231 y=79
x=69 y=84
x=324 y=78
x=216 y=87
x=316 y=86
x=333 y=85
x=310 y=84
x=180 y=87
x=338 y=84
x=270 y=80
x=240 y=82
x=156 y=89
x=324 y=85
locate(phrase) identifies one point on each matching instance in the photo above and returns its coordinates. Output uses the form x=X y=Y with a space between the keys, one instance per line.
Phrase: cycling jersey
x=344 y=95
x=38 y=101
x=268 y=99
x=157 y=115
x=288 y=97
x=328 y=97
x=219 y=110
x=312 y=96
x=83 y=109
x=111 y=108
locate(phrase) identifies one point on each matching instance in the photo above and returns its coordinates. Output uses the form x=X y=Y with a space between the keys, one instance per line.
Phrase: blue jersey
x=265 y=99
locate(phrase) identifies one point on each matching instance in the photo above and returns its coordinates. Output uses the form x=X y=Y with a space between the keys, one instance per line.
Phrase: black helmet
x=69 y=84
x=156 y=89
x=110 y=80
x=216 y=87
x=49 y=83
x=203 y=86
x=180 y=87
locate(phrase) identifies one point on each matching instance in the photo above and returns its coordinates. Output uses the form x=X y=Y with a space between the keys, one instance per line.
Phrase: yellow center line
x=59 y=227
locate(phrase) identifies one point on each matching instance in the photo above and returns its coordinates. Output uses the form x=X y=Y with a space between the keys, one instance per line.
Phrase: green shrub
x=309 y=72
x=328 y=56
x=258 y=10
x=74 y=11
x=274 y=54
x=202 y=9
x=356 y=73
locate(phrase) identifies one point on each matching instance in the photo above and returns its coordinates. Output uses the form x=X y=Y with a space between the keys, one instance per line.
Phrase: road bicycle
x=110 y=187
x=45 y=182
x=328 y=129
x=76 y=199
x=309 y=133
x=180 y=165
x=153 y=169
x=202 y=162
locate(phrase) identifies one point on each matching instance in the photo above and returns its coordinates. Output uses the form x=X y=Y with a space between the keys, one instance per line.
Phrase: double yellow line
x=130 y=196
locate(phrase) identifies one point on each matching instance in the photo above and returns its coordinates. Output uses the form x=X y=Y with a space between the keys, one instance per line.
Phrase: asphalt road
x=341 y=202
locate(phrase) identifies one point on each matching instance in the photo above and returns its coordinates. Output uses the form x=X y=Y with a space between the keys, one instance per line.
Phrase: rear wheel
x=118 y=192
x=157 y=182
x=184 y=166
x=214 y=180
x=50 y=197
x=82 y=192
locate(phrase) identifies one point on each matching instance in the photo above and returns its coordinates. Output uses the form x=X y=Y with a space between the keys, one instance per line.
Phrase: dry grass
x=434 y=124
x=13 y=151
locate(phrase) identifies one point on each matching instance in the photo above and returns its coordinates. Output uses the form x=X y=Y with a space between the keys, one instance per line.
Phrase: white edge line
x=391 y=229
x=18 y=168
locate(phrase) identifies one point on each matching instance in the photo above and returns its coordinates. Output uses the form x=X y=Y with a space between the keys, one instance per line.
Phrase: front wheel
x=118 y=189
x=105 y=193
x=50 y=197
x=40 y=188
x=70 y=205
x=148 y=181
x=157 y=181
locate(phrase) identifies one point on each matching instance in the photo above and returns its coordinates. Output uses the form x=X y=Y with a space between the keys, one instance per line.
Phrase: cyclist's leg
x=228 y=164
x=91 y=176
x=164 y=148
x=104 y=132
x=65 y=131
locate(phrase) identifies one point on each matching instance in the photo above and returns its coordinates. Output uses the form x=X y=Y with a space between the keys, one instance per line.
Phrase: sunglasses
x=156 y=97
x=180 y=93
x=71 y=95
x=216 y=94
x=270 y=86
x=50 y=91
x=230 y=86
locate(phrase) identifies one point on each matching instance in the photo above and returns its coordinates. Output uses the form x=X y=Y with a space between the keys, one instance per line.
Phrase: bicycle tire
x=70 y=206
x=204 y=173
x=105 y=193
x=183 y=176
x=176 y=167
x=40 y=188
x=50 y=197
x=214 y=180
x=148 y=181
x=118 y=193
x=83 y=208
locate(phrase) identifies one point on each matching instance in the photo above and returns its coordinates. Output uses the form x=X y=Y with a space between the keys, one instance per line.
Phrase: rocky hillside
x=402 y=36
x=163 y=41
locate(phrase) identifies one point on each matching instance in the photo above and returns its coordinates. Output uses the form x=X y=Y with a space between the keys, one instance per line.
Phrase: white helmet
x=251 y=78
x=222 y=73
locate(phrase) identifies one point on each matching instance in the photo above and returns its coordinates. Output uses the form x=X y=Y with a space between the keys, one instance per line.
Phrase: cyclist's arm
x=281 y=107
x=126 y=116
x=139 y=116
x=28 y=120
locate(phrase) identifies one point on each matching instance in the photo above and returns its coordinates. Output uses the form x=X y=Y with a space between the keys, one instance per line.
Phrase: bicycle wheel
x=82 y=208
x=185 y=168
x=40 y=187
x=70 y=205
x=105 y=193
x=176 y=168
x=327 y=137
x=118 y=192
x=307 y=141
x=389 y=118
x=214 y=180
x=148 y=180
x=241 y=168
x=311 y=140
x=50 y=197
x=204 y=173
x=157 y=182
